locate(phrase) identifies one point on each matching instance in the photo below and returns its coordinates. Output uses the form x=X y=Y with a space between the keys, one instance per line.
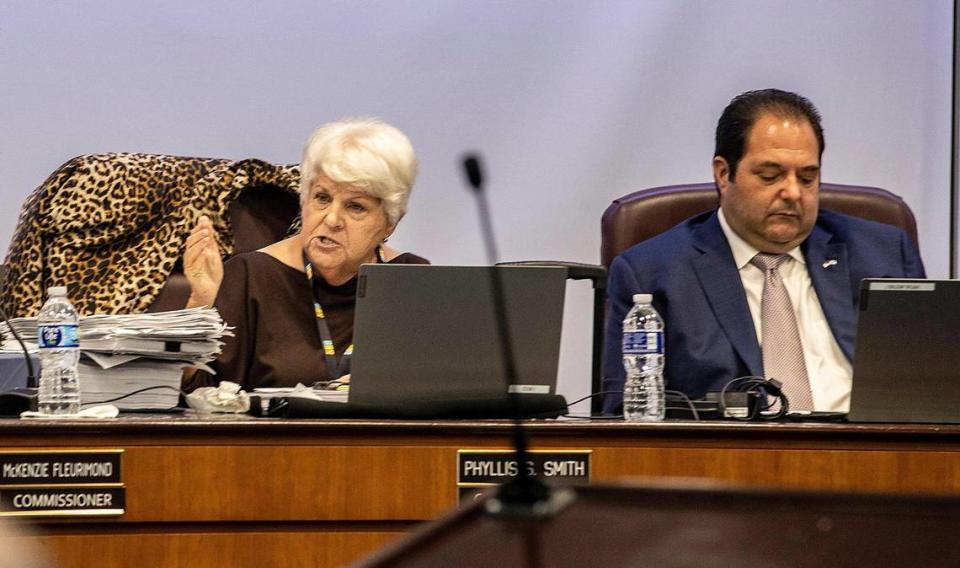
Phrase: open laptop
x=907 y=362
x=428 y=334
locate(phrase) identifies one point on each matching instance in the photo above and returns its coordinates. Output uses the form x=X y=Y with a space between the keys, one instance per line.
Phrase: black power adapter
x=737 y=406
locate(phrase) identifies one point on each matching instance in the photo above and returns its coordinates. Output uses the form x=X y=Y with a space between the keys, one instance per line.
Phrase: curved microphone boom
x=524 y=495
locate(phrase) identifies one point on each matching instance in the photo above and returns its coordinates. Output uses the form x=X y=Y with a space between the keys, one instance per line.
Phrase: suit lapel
x=718 y=276
x=829 y=271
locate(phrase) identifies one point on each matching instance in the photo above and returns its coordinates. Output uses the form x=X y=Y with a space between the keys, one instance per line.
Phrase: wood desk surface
x=237 y=490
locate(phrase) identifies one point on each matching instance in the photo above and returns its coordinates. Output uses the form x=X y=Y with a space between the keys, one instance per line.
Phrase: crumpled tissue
x=303 y=391
x=228 y=397
x=101 y=411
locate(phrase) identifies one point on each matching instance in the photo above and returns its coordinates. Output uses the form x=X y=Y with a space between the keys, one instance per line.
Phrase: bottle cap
x=642 y=298
x=57 y=291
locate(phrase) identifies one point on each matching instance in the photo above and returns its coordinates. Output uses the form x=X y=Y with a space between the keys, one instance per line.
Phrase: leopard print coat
x=111 y=227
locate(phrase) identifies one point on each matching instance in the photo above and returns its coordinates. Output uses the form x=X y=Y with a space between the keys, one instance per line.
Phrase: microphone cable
x=689 y=406
x=751 y=384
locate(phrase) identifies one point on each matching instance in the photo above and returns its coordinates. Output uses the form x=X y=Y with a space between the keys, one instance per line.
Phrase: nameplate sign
x=903 y=286
x=56 y=467
x=488 y=467
x=71 y=483
x=62 y=501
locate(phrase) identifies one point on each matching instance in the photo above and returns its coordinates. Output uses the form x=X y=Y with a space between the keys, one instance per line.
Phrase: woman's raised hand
x=202 y=264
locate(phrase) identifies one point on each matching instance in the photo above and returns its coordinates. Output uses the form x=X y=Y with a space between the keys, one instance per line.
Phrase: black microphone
x=524 y=495
x=31 y=376
x=474 y=173
x=471 y=165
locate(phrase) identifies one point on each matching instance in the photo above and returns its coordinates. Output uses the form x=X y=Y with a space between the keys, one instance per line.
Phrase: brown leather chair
x=258 y=218
x=646 y=213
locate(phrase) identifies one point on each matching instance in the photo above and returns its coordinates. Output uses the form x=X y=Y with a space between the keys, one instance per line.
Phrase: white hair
x=365 y=153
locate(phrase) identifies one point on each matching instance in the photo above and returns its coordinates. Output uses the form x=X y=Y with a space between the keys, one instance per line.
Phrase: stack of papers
x=302 y=391
x=99 y=384
x=123 y=354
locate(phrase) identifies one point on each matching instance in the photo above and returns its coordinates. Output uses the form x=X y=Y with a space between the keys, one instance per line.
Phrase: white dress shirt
x=830 y=373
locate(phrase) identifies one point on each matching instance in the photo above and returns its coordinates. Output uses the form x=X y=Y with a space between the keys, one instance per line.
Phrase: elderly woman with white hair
x=292 y=302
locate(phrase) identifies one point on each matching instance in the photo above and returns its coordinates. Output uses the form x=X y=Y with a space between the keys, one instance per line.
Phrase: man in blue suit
x=711 y=287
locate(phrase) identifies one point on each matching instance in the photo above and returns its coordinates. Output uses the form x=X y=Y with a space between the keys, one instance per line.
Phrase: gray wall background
x=572 y=103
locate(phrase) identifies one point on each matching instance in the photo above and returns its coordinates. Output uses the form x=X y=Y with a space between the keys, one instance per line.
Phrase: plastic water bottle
x=57 y=326
x=643 y=396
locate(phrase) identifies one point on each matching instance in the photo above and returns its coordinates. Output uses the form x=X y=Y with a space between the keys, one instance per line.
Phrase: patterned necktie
x=782 y=349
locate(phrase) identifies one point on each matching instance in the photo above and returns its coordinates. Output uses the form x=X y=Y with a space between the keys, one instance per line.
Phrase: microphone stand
x=524 y=496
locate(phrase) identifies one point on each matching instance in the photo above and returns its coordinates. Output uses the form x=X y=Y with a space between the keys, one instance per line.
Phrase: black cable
x=690 y=405
x=579 y=400
x=751 y=384
x=760 y=386
x=763 y=388
x=129 y=394
x=592 y=416
x=592 y=395
x=750 y=381
x=595 y=417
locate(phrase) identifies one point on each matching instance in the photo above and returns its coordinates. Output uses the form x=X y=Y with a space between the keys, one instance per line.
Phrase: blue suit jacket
x=710 y=337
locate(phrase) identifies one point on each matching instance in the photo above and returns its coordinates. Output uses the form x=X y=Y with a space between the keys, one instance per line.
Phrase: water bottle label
x=57 y=336
x=642 y=342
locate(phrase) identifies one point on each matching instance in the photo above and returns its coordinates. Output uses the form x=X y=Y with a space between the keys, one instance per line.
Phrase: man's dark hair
x=738 y=118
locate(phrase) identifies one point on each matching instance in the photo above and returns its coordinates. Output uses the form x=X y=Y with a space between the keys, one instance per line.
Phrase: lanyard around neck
x=335 y=369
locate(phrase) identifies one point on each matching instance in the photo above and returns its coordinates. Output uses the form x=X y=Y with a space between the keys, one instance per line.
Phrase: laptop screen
x=426 y=332
x=906 y=367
